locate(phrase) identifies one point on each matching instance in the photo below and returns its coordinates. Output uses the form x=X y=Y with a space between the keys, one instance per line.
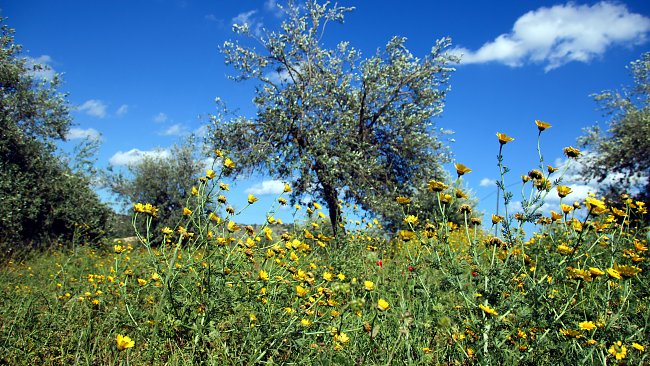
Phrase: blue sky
x=144 y=73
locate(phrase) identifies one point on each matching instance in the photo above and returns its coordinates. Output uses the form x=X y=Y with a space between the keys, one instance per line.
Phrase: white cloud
x=272 y=6
x=175 y=130
x=248 y=20
x=160 y=117
x=581 y=187
x=266 y=187
x=487 y=182
x=124 y=109
x=79 y=133
x=133 y=156
x=563 y=33
x=41 y=67
x=202 y=131
x=93 y=107
x=244 y=18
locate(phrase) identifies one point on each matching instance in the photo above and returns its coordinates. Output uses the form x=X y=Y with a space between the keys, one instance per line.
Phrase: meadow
x=573 y=289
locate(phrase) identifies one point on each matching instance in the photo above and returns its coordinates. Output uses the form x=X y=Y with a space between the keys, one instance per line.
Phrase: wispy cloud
x=79 y=133
x=272 y=7
x=122 y=110
x=563 y=33
x=249 y=20
x=160 y=117
x=201 y=131
x=40 y=67
x=93 y=107
x=134 y=156
x=266 y=187
x=487 y=182
x=175 y=130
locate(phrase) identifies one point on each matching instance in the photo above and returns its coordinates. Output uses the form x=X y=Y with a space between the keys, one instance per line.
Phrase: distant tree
x=163 y=181
x=334 y=125
x=42 y=197
x=624 y=148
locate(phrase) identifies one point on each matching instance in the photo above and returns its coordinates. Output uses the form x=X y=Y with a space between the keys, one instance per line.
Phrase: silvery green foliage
x=42 y=198
x=620 y=157
x=333 y=123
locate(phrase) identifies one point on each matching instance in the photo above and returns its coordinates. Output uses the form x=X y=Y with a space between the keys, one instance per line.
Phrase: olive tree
x=333 y=124
x=42 y=197
x=624 y=148
x=164 y=181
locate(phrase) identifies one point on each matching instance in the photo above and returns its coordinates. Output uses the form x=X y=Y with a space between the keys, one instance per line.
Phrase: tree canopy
x=333 y=124
x=620 y=157
x=163 y=181
x=41 y=196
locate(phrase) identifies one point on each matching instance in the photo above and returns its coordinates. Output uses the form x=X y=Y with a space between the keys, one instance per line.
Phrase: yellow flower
x=613 y=273
x=541 y=126
x=287 y=188
x=210 y=174
x=195 y=191
x=383 y=305
x=566 y=208
x=368 y=285
x=563 y=191
x=503 y=138
x=571 y=152
x=571 y=333
x=342 y=337
x=587 y=325
x=142 y=282
x=328 y=276
x=488 y=310
x=551 y=169
x=411 y=220
x=232 y=226
x=595 y=206
x=252 y=199
x=596 y=271
x=301 y=291
x=403 y=200
x=264 y=276
x=186 y=211
x=461 y=169
x=626 y=270
x=228 y=163
x=618 y=350
x=436 y=186
x=496 y=219
x=305 y=322
x=124 y=342
x=638 y=347
x=214 y=218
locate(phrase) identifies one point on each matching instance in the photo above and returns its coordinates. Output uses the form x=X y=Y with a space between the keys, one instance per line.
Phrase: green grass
x=575 y=291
